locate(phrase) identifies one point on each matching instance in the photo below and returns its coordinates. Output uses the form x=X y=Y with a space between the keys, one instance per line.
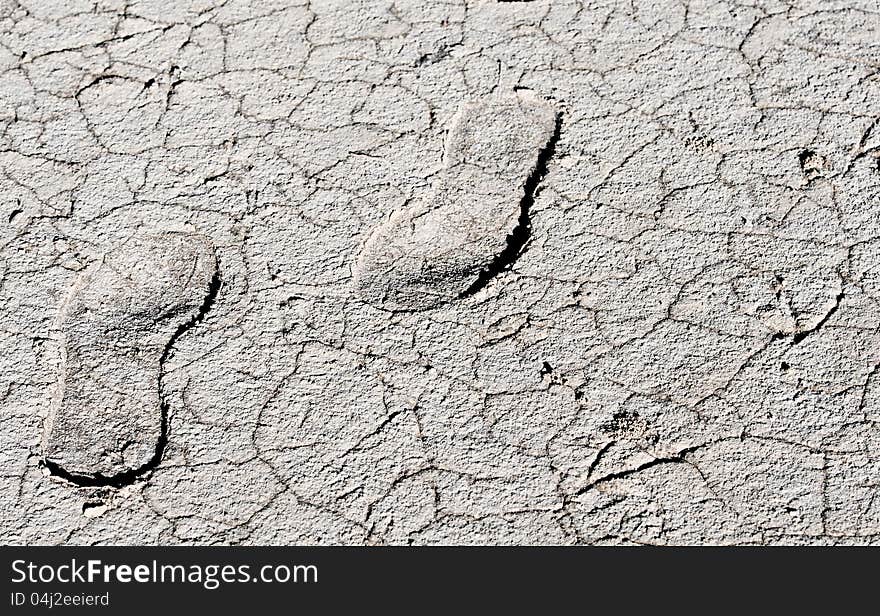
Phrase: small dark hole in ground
x=805 y=156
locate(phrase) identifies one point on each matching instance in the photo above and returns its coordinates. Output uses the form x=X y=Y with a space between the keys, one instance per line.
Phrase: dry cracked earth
x=458 y=271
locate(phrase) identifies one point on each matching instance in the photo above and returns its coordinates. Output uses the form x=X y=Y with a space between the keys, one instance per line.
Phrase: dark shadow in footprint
x=108 y=421
x=476 y=223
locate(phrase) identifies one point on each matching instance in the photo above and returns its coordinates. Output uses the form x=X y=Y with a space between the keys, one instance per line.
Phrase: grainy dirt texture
x=462 y=271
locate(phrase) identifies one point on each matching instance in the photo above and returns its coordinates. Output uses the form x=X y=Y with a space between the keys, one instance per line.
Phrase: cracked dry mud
x=661 y=328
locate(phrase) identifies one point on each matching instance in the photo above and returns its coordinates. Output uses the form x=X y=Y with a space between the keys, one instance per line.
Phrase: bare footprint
x=477 y=221
x=118 y=322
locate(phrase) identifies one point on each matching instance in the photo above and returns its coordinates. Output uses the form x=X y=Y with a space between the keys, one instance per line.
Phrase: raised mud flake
x=476 y=223
x=117 y=325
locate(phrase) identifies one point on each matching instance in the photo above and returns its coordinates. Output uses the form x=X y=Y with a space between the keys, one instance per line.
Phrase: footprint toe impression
x=477 y=220
x=117 y=325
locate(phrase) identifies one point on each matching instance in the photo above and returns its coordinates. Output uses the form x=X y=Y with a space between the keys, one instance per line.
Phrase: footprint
x=117 y=325
x=476 y=222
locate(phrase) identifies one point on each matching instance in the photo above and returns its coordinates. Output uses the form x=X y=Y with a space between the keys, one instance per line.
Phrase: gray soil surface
x=448 y=271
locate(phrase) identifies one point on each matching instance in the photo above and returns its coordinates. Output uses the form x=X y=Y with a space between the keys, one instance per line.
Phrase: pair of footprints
x=107 y=424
